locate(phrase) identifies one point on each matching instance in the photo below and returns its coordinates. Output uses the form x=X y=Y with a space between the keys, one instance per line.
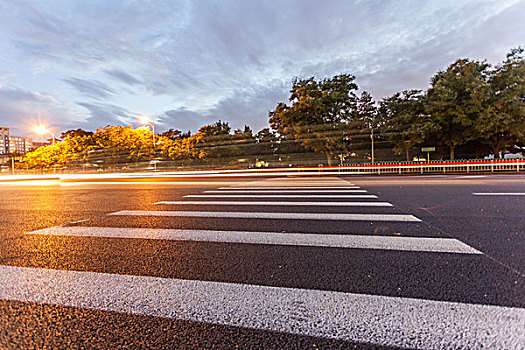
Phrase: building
x=4 y=140
x=37 y=144
x=11 y=145
x=20 y=144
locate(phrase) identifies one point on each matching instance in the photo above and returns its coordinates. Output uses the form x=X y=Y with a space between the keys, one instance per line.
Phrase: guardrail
x=437 y=167
x=394 y=168
x=434 y=167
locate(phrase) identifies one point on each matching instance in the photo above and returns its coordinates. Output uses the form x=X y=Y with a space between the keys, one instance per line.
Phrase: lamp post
x=42 y=130
x=372 y=138
x=145 y=121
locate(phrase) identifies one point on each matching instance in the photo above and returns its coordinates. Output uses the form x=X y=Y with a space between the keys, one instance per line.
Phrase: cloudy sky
x=76 y=63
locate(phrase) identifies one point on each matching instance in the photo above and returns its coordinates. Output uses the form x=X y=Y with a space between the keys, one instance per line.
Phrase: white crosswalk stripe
x=500 y=194
x=256 y=188
x=285 y=190
x=280 y=203
x=424 y=244
x=338 y=196
x=393 y=321
x=265 y=215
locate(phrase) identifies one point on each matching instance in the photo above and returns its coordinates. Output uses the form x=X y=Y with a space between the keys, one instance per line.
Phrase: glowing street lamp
x=145 y=121
x=42 y=130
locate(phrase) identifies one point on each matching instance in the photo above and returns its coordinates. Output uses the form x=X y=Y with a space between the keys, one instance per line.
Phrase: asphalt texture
x=494 y=225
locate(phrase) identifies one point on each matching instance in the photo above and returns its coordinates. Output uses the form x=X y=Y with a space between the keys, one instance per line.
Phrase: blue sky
x=87 y=64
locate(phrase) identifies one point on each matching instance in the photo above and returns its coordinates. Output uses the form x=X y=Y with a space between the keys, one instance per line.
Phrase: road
x=315 y=262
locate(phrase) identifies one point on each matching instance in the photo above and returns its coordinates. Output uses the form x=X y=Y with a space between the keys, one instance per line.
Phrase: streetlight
x=42 y=130
x=145 y=121
x=372 y=138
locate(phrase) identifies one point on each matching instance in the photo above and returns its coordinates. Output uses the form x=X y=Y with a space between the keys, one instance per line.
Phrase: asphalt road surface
x=427 y=262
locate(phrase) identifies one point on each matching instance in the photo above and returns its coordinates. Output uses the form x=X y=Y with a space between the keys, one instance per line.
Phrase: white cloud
x=207 y=60
x=22 y=109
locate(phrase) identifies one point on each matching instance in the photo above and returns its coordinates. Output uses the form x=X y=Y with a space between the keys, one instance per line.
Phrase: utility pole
x=13 y=164
x=372 y=138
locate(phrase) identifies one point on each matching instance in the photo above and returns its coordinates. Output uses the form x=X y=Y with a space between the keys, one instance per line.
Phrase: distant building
x=20 y=144
x=4 y=140
x=11 y=145
x=37 y=144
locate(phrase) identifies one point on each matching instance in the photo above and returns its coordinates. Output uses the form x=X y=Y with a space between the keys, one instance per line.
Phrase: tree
x=243 y=144
x=361 y=127
x=403 y=121
x=503 y=123
x=456 y=100
x=219 y=128
x=266 y=142
x=366 y=110
x=172 y=134
x=75 y=133
x=214 y=141
x=319 y=113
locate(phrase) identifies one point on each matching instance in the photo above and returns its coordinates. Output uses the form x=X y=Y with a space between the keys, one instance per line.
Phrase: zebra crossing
x=353 y=304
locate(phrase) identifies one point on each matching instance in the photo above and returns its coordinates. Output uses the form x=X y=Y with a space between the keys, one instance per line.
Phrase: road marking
x=79 y=221
x=333 y=196
x=295 y=182
x=383 y=320
x=263 y=215
x=420 y=244
x=321 y=204
x=290 y=188
x=285 y=190
x=499 y=194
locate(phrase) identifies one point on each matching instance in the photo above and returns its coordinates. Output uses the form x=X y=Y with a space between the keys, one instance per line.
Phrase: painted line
x=334 y=196
x=285 y=190
x=382 y=320
x=419 y=244
x=262 y=215
x=500 y=194
x=79 y=221
x=315 y=204
x=290 y=188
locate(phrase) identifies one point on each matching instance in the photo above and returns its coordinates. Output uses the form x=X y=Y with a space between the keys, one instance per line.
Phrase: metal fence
x=438 y=167
x=400 y=168
x=383 y=168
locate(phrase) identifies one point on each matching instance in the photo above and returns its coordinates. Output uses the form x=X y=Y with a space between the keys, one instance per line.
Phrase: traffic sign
x=428 y=149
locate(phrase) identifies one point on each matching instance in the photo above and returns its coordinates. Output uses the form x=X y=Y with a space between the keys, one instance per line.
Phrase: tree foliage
x=319 y=114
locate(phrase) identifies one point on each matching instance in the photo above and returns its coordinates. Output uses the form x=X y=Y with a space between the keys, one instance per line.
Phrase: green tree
x=75 y=133
x=503 y=123
x=366 y=110
x=361 y=127
x=402 y=120
x=319 y=113
x=456 y=100
x=172 y=134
